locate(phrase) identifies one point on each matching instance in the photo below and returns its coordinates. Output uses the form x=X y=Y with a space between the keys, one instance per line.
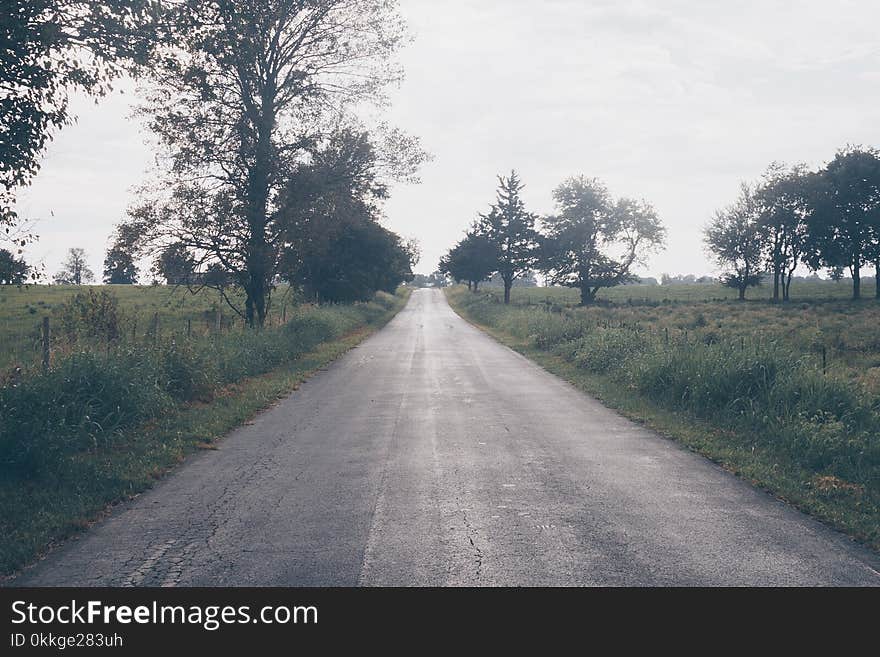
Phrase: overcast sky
x=675 y=101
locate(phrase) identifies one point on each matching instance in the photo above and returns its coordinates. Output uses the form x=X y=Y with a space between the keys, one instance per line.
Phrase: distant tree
x=510 y=228
x=783 y=200
x=13 y=271
x=472 y=260
x=175 y=264
x=844 y=226
x=592 y=241
x=735 y=239
x=75 y=270
x=51 y=48
x=119 y=266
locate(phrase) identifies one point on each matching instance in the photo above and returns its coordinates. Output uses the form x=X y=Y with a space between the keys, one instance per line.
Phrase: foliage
x=844 y=228
x=473 y=259
x=333 y=246
x=51 y=48
x=175 y=264
x=93 y=315
x=593 y=242
x=734 y=237
x=119 y=266
x=510 y=228
x=783 y=200
x=13 y=271
x=75 y=270
x=237 y=104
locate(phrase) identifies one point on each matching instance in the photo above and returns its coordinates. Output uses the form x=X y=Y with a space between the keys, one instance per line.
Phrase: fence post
x=155 y=327
x=189 y=328
x=219 y=321
x=284 y=314
x=46 y=350
x=824 y=361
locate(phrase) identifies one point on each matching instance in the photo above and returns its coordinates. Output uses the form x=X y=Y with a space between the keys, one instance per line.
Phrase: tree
x=592 y=241
x=175 y=264
x=51 y=48
x=735 y=239
x=331 y=203
x=119 y=266
x=510 y=228
x=783 y=200
x=844 y=226
x=361 y=258
x=236 y=104
x=473 y=260
x=13 y=271
x=75 y=270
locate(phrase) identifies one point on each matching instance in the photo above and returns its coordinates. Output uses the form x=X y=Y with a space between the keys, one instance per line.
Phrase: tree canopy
x=593 y=241
x=510 y=228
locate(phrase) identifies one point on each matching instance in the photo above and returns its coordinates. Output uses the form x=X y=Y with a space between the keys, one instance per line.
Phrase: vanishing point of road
x=432 y=455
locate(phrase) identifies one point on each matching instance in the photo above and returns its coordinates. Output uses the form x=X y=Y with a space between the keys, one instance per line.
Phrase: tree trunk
x=507 y=285
x=258 y=202
x=857 y=279
x=588 y=295
x=786 y=286
x=776 y=276
x=877 y=278
x=470 y=286
x=742 y=293
x=476 y=284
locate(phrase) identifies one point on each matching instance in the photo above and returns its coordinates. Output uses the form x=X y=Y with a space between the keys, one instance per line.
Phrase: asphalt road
x=432 y=455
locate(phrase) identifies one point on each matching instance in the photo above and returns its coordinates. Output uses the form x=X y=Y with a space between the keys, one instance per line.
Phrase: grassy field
x=23 y=308
x=742 y=383
x=809 y=290
x=103 y=423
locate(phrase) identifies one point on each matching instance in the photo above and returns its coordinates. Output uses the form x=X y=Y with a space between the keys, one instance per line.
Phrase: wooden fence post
x=46 y=348
x=189 y=328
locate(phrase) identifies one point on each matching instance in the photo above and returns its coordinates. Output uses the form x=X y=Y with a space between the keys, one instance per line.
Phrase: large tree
x=235 y=105
x=51 y=48
x=75 y=270
x=844 y=226
x=593 y=241
x=734 y=237
x=783 y=202
x=510 y=228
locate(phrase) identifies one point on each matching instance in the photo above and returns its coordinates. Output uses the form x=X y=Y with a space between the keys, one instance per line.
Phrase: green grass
x=22 y=310
x=69 y=452
x=740 y=383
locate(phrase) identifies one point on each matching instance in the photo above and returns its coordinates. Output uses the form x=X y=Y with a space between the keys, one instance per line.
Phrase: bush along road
x=433 y=455
x=100 y=426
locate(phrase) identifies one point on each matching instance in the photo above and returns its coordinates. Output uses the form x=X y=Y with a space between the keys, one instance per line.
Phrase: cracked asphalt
x=432 y=455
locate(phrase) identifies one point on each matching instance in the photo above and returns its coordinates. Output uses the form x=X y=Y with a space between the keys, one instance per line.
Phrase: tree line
x=263 y=171
x=592 y=241
x=827 y=219
x=823 y=219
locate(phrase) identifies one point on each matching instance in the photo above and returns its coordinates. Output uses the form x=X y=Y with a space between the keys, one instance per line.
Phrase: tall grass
x=96 y=392
x=765 y=392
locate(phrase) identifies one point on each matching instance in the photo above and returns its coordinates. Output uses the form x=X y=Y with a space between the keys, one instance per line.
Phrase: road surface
x=432 y=455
